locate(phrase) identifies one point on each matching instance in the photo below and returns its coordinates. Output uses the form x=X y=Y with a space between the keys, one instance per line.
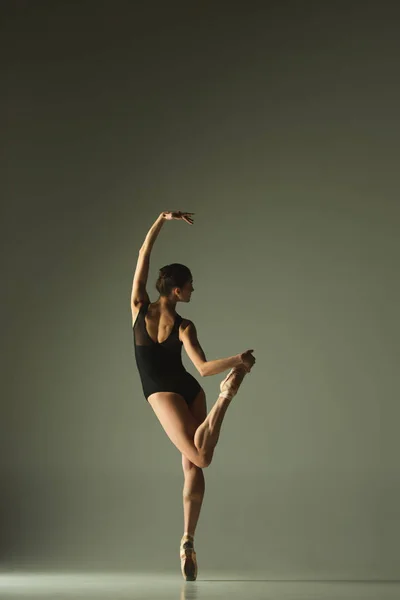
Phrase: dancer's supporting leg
x=193 y=494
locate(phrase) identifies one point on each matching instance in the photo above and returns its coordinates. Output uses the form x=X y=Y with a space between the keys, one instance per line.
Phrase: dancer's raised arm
x=139 y=293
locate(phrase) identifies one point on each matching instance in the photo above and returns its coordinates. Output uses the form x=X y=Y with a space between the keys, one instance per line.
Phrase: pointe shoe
x=230 y=385
x=188 y=559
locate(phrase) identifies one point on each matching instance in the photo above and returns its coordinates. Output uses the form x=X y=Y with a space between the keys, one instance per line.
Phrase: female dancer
x=175 y=396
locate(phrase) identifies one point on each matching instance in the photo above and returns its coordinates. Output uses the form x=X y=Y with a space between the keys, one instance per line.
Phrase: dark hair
x=170 y=276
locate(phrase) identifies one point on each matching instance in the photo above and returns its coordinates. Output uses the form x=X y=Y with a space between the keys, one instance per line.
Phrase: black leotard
x=160 y=364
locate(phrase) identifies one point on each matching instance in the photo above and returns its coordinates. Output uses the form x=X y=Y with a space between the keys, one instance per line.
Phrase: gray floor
x=166 y=587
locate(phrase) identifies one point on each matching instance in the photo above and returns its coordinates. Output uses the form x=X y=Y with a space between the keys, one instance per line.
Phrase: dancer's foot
x=188 y=558
x=230 y=385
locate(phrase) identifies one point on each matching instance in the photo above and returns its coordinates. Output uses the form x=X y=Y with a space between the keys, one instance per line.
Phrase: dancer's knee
x=206 y=459
x=203 y=459
x=200 y=461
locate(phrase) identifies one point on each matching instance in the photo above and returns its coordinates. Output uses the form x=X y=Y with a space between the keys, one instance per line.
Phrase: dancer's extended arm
x=139 y=293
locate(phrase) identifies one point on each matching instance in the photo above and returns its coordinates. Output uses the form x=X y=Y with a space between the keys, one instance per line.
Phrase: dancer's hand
x=248 y=359
x=184 y=216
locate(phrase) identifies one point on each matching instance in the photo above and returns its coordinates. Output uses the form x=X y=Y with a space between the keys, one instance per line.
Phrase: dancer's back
x=160 y=363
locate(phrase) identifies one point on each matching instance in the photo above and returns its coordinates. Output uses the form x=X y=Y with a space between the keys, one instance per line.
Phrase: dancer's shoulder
x=185 y=323
x=139 y=307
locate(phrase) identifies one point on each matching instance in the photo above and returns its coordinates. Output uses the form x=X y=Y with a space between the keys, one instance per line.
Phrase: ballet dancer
x=176 y=397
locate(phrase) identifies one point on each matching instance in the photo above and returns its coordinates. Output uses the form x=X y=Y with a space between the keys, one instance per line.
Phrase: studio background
x=277 y=124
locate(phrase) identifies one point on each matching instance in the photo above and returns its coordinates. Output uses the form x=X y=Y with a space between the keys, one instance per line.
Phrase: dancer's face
x=186 y=291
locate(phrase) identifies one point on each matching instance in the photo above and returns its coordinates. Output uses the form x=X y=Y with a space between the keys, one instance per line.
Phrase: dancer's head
x=175 y=282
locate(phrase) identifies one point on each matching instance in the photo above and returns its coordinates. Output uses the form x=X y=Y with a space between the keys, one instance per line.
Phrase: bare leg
x=207 y=434
x=193 y=494
x=196 y=442
x=205 y=439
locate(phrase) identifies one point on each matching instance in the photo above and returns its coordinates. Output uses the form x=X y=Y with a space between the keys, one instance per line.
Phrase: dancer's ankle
x=226 y=395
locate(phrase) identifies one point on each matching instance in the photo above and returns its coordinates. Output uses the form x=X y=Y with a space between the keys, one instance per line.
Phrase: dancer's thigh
x=178 y=422
x=198 y=407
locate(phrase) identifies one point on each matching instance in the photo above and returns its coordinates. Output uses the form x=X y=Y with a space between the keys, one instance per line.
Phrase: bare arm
x=152 y=234
x=139 y=293
x=212 y=367
x=196 y=354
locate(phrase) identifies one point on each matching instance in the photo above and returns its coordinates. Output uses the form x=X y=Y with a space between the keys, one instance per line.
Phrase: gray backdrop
x=277 y=123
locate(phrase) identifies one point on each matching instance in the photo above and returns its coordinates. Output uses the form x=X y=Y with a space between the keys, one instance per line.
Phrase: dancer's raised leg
x=195 y=441
x=207 y=434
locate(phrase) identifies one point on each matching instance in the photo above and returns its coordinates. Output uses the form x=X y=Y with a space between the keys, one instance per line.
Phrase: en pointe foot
x=188 y=558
